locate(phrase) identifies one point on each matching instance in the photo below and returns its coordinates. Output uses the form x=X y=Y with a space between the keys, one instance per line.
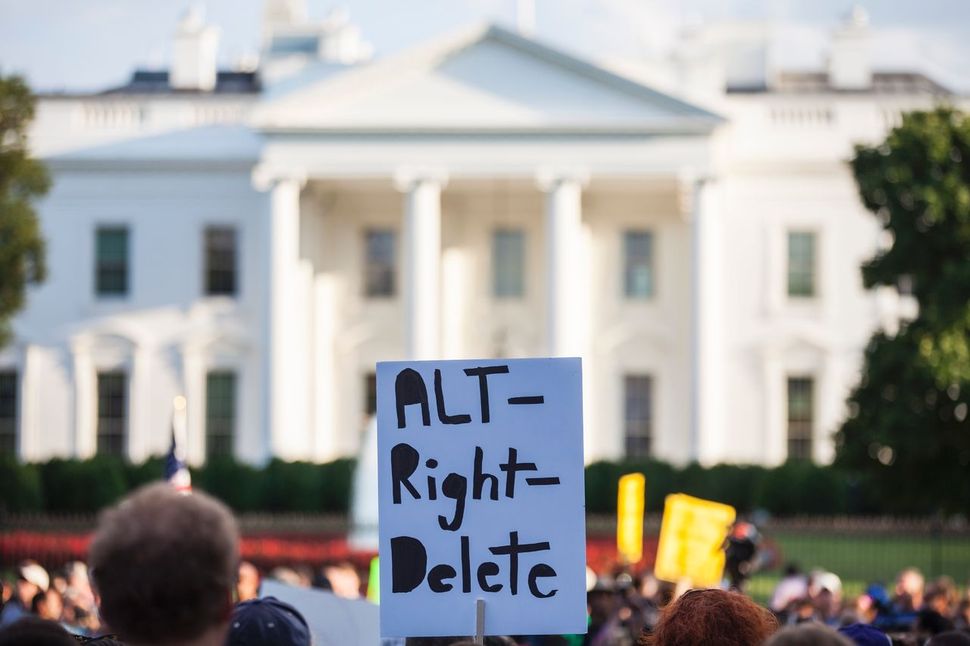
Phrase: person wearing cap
x=267 y=622
x=163 y=565
x=31 y=579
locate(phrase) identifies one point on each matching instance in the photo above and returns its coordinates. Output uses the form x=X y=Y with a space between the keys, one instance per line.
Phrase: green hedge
x=793 y=488
x=84 y=486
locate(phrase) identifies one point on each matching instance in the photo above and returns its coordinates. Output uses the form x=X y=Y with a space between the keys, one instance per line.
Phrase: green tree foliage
x=22 y=180
x=908 y=427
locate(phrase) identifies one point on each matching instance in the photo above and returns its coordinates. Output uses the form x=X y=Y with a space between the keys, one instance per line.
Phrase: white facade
x=438 y=149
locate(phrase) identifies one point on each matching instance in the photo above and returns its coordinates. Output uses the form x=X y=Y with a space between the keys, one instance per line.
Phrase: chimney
x=849 y=64
x=194 y=53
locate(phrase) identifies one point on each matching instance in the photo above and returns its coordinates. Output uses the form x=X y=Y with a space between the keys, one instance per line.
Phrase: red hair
x=702 y=617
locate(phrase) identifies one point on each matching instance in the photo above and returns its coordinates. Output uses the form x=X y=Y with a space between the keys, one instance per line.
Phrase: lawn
x=861 y=559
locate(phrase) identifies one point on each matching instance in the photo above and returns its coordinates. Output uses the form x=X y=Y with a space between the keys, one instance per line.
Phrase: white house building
x=257 y=240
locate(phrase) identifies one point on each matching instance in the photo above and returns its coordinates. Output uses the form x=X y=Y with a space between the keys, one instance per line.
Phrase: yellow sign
x=692 y=538
x=629 y=517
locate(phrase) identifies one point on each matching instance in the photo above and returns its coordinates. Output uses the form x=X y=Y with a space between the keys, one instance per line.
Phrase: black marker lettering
x=404 y=460
x=479 y=478
x=409 y=389
x=408 y=562
x=482 y=373
x=455 y=487
x=541 y=570
x=511 y=468
x=439 y=396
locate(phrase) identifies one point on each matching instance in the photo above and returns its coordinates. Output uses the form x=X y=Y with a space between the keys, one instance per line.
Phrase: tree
x=22 y=180
x=908 y=429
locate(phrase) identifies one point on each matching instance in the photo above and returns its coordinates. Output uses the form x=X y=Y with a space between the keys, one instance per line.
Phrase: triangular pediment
x=485 y=79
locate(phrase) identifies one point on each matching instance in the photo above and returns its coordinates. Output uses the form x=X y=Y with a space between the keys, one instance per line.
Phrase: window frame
x=209 y=271
x=508 y=286
x=103 y=437
x=629 y=269
x=123 y=266
x=12 y=421
x=800 y=429
x=389 y=270
x=229 y=437
x=639 y=445
x=805 y=284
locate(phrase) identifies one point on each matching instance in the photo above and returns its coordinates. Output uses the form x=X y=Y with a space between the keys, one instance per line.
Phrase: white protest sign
x=481 y=496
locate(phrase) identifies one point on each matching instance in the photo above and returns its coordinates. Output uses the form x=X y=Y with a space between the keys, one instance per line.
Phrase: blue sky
x=92 y=44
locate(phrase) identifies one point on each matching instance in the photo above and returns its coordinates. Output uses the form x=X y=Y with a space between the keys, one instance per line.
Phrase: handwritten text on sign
x=481 y=496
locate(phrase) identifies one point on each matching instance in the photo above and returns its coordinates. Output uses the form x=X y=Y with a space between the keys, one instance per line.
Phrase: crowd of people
x=164 y=569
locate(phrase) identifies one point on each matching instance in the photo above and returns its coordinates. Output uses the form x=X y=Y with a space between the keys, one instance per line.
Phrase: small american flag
x=176 y=472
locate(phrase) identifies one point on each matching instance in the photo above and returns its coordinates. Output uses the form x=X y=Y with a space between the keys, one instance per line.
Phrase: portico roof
x=486 y=79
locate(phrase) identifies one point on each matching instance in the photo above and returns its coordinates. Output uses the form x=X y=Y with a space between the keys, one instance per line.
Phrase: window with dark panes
x=801 y=263
x=801 y=402
x=638 y=415
x=111 y=258
x=370 y=394
x=638 y=278
x=220 y=413
x=112 y=413
x=220 y=261
x=8 y=412
x=508 y=263
x=380 y=264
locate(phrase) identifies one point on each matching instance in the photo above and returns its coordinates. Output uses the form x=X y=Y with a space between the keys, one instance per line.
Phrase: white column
x=85 y=406
x=422 y=257
x=285 y=394
x=193 y=389
x=564 y=262
x=140 y=422
x=707 y=384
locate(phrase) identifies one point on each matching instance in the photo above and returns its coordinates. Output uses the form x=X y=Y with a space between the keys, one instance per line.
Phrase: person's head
x=48 y=604
x=863 y=635
x=792 y=569
x=910 y=583
x=31 y=579
x=807 y=634
x=36 y=632
x=701 y=617
x=937 y=599
x=267 y=622
x=164 y=565
x=247 y=585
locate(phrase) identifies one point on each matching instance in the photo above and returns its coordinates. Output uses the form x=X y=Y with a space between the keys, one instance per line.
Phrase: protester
x=909 y=591
x=48 y=604
x=792 y=587
x=711 y=616
x=247 y=583
x=807 y=634
x=932 y=618
x=33 y=631
x=267 y=622
x=31 y=579
x=164 y=565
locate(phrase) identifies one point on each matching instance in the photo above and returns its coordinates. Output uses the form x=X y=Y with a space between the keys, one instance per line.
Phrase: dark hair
x=702 y=617
x=36 y=632
x=165 y=564
x=950 y=638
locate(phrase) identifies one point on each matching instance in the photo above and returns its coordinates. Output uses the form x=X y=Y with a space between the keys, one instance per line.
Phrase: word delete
x=481 y=496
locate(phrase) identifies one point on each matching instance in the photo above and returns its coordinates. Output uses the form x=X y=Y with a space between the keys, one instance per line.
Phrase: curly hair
x=702 y=617
x=165 y=564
